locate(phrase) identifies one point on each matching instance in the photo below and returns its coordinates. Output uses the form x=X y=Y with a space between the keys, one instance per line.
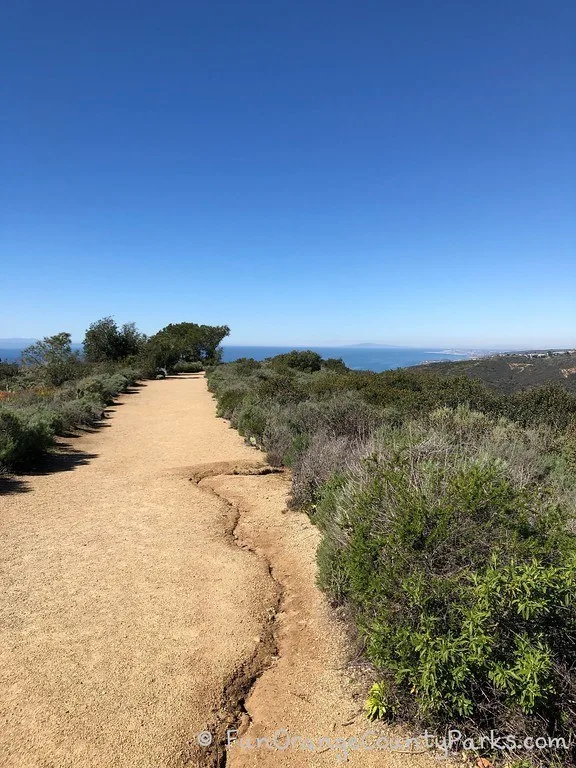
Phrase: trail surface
x=154 y=586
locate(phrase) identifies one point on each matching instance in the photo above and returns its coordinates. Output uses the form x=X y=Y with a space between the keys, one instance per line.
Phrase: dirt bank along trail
x=154 y=587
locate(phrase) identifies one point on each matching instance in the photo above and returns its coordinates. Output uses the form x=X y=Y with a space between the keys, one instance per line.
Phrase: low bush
x=281 y=439
x=301 y=360
x=185 y=367
x=324 y=456
x=547 y=404
x=250 y=420
x=8 y=373
x=101 y=387
x=460 y=571
x=232 y=400
x=23 y=437
x=82 y=411
x=29 y=420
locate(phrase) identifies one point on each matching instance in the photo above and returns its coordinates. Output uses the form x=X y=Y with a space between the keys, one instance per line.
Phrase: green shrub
x=246 y=366
x=278 y=439
x=23 y=437
x=117 y=383
x=31 y=419
x=43 y=415
x=8 y=374
x=336 y=364
x=250 y=420
x=231 y=399
x=280 y=386
x=82 y=411
x=461 y=579
x=548 y=404
x=191 y=367
x=100 y=388
x=304 y=360
x=323 y=456
x=569 y=450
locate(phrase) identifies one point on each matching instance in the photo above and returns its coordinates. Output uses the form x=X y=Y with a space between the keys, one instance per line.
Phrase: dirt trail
x=149 y=593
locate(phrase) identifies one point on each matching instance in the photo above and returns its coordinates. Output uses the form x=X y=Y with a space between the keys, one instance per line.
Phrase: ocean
x=10 y=355
x=358 y=358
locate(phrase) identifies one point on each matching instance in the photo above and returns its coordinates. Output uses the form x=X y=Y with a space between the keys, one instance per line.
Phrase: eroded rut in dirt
x=232 y=712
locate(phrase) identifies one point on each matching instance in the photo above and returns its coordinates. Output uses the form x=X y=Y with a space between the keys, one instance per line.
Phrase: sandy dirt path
x=152 y=589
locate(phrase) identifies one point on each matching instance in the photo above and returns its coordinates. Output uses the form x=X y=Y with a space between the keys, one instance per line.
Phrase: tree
x=301 y=360
x=188 y=342
x=52 y=360
x=105 y=341
x=336 y=364
x=132 y=341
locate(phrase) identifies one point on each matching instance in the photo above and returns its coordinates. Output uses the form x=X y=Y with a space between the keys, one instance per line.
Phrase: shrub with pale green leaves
x=24 y=436
x=461 y=576
x=188 y=367
x=29 y=421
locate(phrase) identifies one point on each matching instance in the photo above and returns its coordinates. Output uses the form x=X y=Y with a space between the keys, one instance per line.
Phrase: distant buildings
x=549 y=353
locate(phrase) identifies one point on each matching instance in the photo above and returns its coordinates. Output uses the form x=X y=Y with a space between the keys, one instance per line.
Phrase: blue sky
x=306 y=172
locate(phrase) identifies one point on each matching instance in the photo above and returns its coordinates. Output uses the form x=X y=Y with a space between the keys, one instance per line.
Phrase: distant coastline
x=366 y=357
x=358 y=357
x=369 y=357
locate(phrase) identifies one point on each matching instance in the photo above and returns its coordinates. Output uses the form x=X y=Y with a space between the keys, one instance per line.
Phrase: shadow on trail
x=12 y=485
x=64 y=458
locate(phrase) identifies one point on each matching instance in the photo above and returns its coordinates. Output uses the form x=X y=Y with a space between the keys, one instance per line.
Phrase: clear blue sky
x=306 y=172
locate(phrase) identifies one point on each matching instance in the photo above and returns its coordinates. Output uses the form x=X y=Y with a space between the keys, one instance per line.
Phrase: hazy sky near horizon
x=306 y=172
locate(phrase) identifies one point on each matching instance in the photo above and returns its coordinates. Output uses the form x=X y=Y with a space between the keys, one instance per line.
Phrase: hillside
x=512 y=372
x=469 y=493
